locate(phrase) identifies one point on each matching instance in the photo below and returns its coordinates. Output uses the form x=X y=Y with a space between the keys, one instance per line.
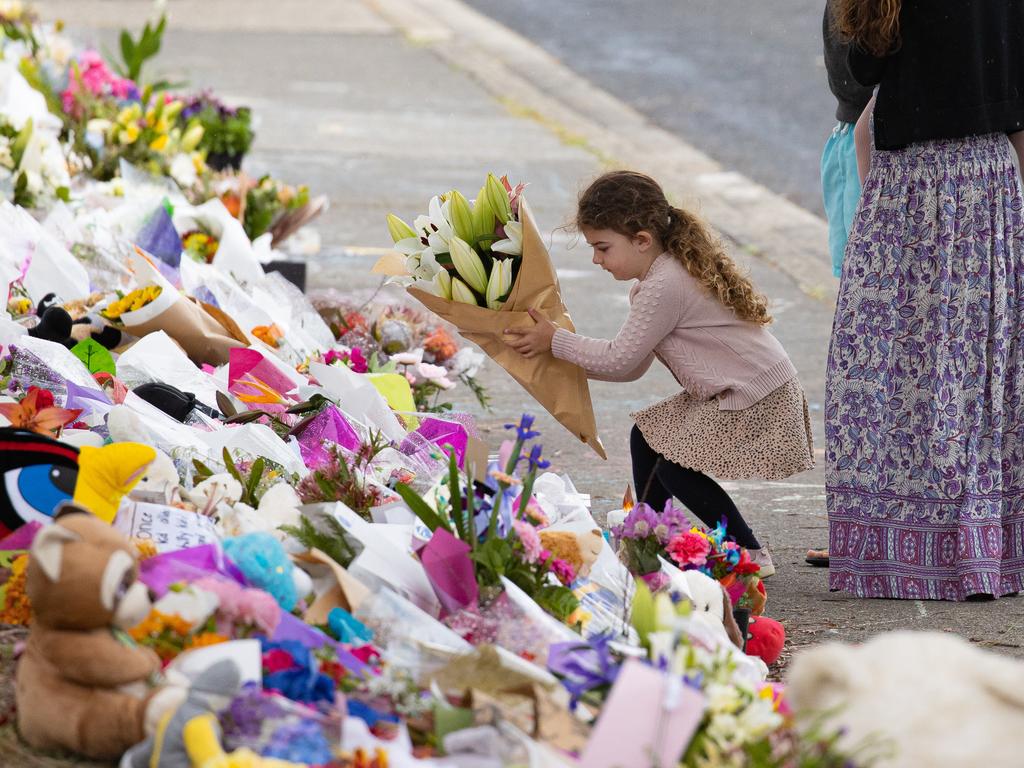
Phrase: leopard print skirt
x=770 y=440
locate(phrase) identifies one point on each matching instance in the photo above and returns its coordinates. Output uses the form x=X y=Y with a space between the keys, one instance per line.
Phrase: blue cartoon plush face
x=33 y=492
x=36 y=475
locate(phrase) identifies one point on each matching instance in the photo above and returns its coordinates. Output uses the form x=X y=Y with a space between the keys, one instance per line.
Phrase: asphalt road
x=744 y=81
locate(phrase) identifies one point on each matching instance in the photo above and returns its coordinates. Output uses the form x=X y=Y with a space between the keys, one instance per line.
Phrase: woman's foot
x=764 y=559
x=817 y=557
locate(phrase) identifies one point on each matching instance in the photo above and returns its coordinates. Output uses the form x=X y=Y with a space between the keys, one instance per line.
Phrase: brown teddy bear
x=580 y=550
x=82 y=683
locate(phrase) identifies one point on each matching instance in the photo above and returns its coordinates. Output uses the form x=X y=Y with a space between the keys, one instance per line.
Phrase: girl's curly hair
x=628 y=202
x=874 y=25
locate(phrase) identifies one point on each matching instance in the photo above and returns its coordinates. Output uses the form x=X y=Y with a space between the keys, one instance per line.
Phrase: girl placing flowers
x=742 y=411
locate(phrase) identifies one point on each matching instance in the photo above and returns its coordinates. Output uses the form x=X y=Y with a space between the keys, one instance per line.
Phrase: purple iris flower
x=524 y=430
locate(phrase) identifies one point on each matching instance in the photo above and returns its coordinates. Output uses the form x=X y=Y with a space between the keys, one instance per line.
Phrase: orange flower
x=204 y=639
x=233 y=202
x=157 y=624
x=16 y=608
x=145 y=548
x=441 y=345
x=270 y=335
x=44 y=421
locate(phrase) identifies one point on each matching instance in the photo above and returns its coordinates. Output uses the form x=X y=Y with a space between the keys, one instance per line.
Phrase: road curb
x=529 y=80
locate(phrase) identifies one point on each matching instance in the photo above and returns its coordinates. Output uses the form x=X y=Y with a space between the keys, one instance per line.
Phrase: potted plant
x=227 y=132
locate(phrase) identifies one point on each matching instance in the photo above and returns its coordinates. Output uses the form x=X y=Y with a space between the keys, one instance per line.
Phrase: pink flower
x=656 y=581
x=357 y=362
x=260 y=609
x=530 y=540
x=689 y=549
x=240 y=605
x=563 y=571
x=277 y=660
x=365 y=653
x=98 y=80
x=333 y=356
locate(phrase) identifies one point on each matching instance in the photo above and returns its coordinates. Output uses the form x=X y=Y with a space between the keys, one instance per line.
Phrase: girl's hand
x=531 y=342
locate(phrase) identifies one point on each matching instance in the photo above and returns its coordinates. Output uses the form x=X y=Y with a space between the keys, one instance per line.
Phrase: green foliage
x=226 y=133
x=335 y=542
x=135 y=53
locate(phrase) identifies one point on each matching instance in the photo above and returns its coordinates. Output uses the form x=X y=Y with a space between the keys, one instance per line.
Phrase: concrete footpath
x=381 y=104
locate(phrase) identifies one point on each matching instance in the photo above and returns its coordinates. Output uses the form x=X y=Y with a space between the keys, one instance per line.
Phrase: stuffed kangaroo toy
x=82 y=684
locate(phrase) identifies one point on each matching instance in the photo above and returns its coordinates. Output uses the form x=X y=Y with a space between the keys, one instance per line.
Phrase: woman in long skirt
x=925 y=385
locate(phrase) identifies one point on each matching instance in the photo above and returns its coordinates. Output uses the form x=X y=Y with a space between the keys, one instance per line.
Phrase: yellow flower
x=130 y=114
x=159 y=144
x=137 y=299
x=129 y=134
x=19 y=306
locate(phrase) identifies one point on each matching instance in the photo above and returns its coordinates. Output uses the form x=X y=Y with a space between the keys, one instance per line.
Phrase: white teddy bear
x=932 y=698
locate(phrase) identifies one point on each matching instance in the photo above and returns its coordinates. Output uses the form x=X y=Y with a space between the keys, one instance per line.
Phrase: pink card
x=647 y=721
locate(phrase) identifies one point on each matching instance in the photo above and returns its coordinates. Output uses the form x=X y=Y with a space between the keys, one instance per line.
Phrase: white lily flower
x=461 y=292
x=427 y=267
x=443 y=283
x=468 y=265
x=436 y=225
x=513 y=242
x=499 y=283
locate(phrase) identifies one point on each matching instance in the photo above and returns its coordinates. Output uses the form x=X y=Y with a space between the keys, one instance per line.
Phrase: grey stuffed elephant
x=220 y=680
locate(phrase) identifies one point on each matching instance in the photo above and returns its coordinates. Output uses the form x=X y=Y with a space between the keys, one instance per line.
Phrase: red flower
x=44 y=397
x=277 y=660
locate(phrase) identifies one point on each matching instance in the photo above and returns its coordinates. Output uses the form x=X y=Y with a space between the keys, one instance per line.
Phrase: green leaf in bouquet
x=229 y=465
x=421 y=509
x=334 y=543
x=20 y=144
x=95 y=356
x=202 y=471
x=494 y=555
x=225 y=405
x=255 y=476
x=558 y=600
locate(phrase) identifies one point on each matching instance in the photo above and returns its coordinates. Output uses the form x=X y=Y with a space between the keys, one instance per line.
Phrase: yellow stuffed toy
x=106 y=474
x=205 y=751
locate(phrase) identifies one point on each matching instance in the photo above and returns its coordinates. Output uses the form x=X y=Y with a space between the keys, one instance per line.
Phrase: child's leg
x=648 y=487
x=707 y=500
x=657 y=479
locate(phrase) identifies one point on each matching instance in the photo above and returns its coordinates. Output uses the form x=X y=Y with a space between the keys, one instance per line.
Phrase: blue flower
x=524 y=430
x=535 y=461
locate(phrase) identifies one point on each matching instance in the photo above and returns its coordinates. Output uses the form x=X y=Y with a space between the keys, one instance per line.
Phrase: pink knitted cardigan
x=710 y=351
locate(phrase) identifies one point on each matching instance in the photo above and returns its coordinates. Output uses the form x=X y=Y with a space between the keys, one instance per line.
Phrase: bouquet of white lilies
x=482 y=266
x=465 y=251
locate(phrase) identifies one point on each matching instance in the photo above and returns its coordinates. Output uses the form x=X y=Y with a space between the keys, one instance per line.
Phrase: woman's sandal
x=817 y=557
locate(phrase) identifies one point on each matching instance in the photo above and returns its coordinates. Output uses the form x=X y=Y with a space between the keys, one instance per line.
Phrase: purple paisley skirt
x=924 y=413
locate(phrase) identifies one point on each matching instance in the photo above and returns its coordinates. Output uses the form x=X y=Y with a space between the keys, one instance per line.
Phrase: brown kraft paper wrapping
x=558 y=385
x=198 y=332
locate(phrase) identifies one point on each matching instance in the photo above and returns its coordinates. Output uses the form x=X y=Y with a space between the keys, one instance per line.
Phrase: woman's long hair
x=628 y=202
x=874 y=25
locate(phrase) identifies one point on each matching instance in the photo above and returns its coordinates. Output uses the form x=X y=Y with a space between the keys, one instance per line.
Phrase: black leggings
x=657 y=480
